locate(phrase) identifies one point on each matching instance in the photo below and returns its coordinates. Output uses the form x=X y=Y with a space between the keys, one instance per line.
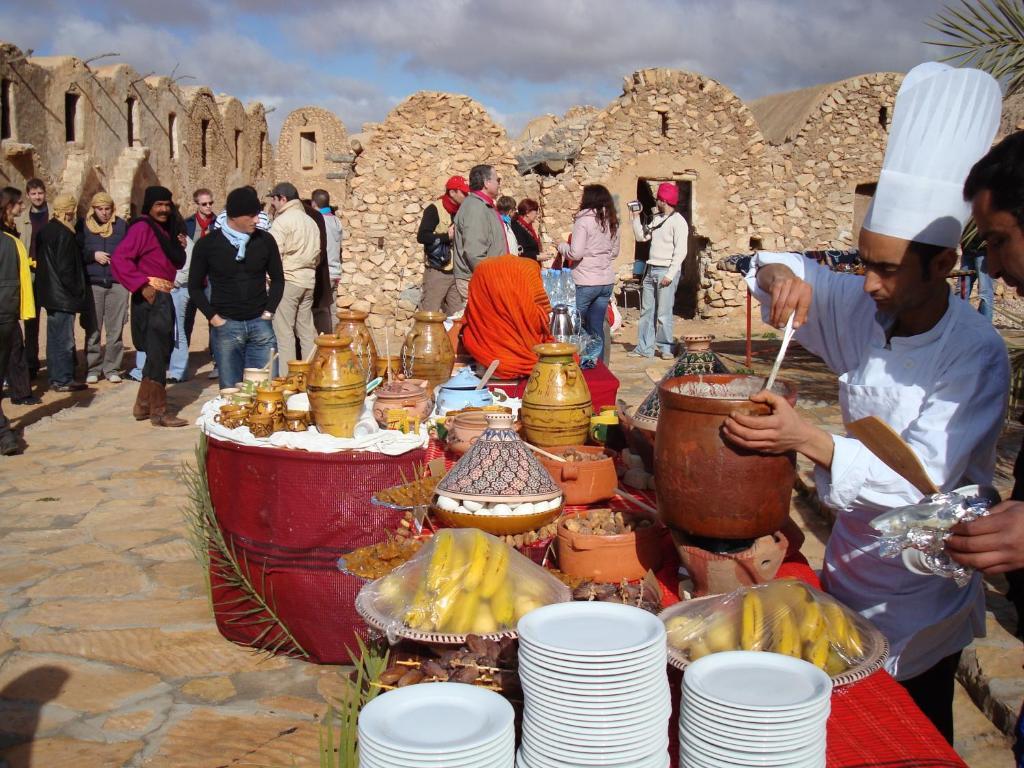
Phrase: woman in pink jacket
x=594 y=246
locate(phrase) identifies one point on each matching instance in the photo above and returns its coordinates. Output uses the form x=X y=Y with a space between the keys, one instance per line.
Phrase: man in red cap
x=668 y=234
x=439 y=290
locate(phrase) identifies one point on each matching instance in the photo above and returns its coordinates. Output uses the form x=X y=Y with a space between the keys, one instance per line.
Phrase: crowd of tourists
x=261 y=283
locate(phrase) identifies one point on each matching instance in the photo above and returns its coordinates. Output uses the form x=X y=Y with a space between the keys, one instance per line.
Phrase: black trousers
x=32 y=342
x=7 y=331
x=932 y=691
x=17 y=367
x=153 y=333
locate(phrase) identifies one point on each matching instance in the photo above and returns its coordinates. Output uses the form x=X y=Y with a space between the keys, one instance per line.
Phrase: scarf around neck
x=94 y=226
x=204 y=223
x=237 y=239
x=450 y=205
x=529 y=228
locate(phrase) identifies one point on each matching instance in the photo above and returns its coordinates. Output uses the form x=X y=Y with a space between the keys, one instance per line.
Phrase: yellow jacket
x=28 y=301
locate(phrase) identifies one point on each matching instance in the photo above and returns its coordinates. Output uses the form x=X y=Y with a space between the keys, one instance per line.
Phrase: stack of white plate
x=745 y=708
x=595 y=689
x=437 y=725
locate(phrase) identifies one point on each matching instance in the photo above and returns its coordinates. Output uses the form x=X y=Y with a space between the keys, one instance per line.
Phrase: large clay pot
x=427 y=352
x=336 y=386
x=410 y=395
x=556 y=403
x=610 y=559
x=583 y=482
x=352 y=322
x=708 y=487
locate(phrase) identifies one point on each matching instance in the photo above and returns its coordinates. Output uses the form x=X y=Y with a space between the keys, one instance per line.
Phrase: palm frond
x=339 y=730
x=987 y=34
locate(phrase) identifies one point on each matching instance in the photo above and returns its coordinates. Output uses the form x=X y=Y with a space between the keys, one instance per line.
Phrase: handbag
x=439 y=253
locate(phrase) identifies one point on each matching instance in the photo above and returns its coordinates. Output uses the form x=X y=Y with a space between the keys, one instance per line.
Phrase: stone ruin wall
x=100 y=157
x=313 y=152
x=403 y=167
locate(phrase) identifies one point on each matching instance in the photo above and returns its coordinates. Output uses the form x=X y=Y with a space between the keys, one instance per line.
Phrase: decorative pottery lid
x=690 y=363
x=404 y=388
x=499 y=467
x=464 y=379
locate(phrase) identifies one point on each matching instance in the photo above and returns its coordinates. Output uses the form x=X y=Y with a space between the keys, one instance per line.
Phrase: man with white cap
x=931 y=368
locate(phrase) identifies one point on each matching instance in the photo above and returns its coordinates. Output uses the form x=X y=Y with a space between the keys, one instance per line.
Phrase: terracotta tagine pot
x=336 y=386
x=582 y=482
x=707 y=487
x=352 y=322
x=298 y=374
x=410 y=395
x=556 y=403
x=610 y=559
x=427 y=352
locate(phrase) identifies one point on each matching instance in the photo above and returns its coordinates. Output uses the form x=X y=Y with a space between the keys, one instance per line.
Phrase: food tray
x=497 y=525
x=393 y=630
x=876 y=646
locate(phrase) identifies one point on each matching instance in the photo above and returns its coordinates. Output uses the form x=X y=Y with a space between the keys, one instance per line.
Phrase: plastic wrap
x=925 y=527
x=462 y=581
x=784 y=616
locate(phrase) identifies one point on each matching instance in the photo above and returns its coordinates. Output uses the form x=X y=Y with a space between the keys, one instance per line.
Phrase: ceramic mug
x=296 y=421
x=247 y=386
x=242 y=399
x=261 y=425
x=229 y=392
x=230 y=416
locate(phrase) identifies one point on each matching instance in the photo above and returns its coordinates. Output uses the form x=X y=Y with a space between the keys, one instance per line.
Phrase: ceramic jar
x=336 y=386
x=269 y=401
x=298 y=373
x=410 y=395
x=556 y=403
x=427 y=351
x=708 y=487
x=352 y=323
x=460 y=391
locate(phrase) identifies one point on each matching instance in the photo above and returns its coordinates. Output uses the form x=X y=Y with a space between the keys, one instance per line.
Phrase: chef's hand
x=780 y=431
x=992 y=544
x=789 y=294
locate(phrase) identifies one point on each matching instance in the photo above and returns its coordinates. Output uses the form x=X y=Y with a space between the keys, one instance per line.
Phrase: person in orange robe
x=506 y=315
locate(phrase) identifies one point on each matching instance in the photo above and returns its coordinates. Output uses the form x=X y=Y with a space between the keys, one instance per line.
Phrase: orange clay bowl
x=497 y=525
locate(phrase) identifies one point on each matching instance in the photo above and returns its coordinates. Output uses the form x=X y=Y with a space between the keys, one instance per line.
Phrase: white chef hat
x=943 y=122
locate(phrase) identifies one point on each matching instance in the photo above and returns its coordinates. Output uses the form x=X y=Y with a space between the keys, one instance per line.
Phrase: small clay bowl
x=610 y=559
x=582 y=482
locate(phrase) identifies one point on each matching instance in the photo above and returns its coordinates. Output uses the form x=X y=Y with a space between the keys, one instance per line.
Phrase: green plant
x=987 y=34
x=339 y=728
x=769 y=335
x=253 y=605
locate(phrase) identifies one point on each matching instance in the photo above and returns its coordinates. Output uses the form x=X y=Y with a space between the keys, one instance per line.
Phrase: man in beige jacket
x=298 y=239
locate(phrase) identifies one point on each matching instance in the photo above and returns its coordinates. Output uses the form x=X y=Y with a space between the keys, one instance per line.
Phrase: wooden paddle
x=883 y=441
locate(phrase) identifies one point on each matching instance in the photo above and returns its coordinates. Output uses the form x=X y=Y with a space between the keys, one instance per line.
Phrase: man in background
x=298 y=240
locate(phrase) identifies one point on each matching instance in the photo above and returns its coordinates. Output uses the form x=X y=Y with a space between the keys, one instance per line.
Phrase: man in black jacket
x=238 y=260
x=439 y=290
x=61 y=290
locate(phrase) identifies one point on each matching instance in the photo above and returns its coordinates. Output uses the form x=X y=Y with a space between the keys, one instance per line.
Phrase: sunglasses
x=206 y=205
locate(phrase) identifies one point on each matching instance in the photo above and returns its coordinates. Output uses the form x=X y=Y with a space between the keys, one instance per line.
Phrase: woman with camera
x=435 y=235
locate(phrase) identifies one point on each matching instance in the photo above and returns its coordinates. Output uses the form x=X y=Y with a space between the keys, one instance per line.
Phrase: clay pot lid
x=465 y=379
x=351 y=314
x=330 y=340
x=698 y=342
x=554 y=348
x=404 y=388
x=499 y=467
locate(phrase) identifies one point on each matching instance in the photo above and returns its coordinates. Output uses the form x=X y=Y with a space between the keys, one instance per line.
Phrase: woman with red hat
x=668 y=235
x=439 y=291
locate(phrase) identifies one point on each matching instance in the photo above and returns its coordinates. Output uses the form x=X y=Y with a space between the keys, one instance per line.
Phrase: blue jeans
x=60 y=347
x=656 y=310
x=592 y=304
x=178 y=367
x=241 y=344
x=978 y=261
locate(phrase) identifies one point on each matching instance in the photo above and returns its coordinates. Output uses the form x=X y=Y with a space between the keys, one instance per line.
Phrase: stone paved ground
x=109 y=656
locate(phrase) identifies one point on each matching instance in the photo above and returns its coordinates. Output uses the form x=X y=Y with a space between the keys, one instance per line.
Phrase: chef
x=907 y=352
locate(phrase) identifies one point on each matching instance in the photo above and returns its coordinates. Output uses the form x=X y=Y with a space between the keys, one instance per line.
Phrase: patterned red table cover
x=873 y=722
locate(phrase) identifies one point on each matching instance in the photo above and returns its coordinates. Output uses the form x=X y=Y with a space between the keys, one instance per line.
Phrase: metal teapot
x=564 y=322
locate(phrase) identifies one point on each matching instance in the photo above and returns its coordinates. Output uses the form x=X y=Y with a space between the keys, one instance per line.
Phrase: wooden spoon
x=487 y=375
x=883 y=441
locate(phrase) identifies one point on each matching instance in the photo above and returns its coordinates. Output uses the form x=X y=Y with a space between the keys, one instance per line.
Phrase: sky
x=520 y=59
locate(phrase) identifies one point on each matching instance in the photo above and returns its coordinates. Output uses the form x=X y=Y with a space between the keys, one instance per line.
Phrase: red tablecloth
x=604 y=387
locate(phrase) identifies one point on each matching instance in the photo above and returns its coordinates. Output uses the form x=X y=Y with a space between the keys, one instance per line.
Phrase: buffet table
x=291 y=514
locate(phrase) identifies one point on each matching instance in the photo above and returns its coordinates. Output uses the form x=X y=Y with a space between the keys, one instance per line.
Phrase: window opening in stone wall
x=307 y=150
x=203 y=138
x=664 y=123
x=259 y=153
x=6 y=100
x=756 y=244
x=172 y=135
x=862 y=196
x=883 y=117
x=131 y=108
x=238 y=149
x=71 y=117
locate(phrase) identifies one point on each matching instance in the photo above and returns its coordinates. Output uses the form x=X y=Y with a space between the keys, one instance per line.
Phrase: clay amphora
x=336 y=386
x=298 y=372
x=427 y=352
x=352 y=322
x=706 y=486
x=556 y=404
x=269 y=401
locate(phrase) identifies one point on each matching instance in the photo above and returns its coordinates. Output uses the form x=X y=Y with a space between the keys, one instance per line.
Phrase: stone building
x=313 y=152
x=83 y=128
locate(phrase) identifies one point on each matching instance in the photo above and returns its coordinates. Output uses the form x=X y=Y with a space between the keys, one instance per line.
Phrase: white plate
x=505 y=760
x=559 y=749
x=596 y=686
x=697 y=702
x=436 y=718
x=468 y=757
x=758 y=681
x=776 y=759
x=695 y=761
x=731 y=733
x=591 y=629
x=716 y=721
x=536 y=660
x=587 y=739
x=650 y=655
x=737 y=742
x=628 y=701
x=656 y=761
x=626 y=717
x=555 y=755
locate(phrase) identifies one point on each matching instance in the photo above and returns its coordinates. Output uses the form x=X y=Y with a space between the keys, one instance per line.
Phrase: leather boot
x=158 y=415
x=141 y=408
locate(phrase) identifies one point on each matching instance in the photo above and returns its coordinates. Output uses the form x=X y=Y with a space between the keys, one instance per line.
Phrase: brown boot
x=158 y=415
x=141 y=408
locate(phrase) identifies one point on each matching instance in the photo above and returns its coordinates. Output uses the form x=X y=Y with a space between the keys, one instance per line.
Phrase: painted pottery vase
x=352 y=322
x=427 y=351
x=298 y=373
x=696 y=359
x=707 y=487
x=336 y=386
x=410 y=395
x=556 y=403
x=269 y=401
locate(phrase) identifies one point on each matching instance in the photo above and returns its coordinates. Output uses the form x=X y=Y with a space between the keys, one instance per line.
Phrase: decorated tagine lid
x=499 y=468
x=697 y=359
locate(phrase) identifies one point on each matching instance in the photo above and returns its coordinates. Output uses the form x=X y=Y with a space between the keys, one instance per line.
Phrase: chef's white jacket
x=945 y=392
